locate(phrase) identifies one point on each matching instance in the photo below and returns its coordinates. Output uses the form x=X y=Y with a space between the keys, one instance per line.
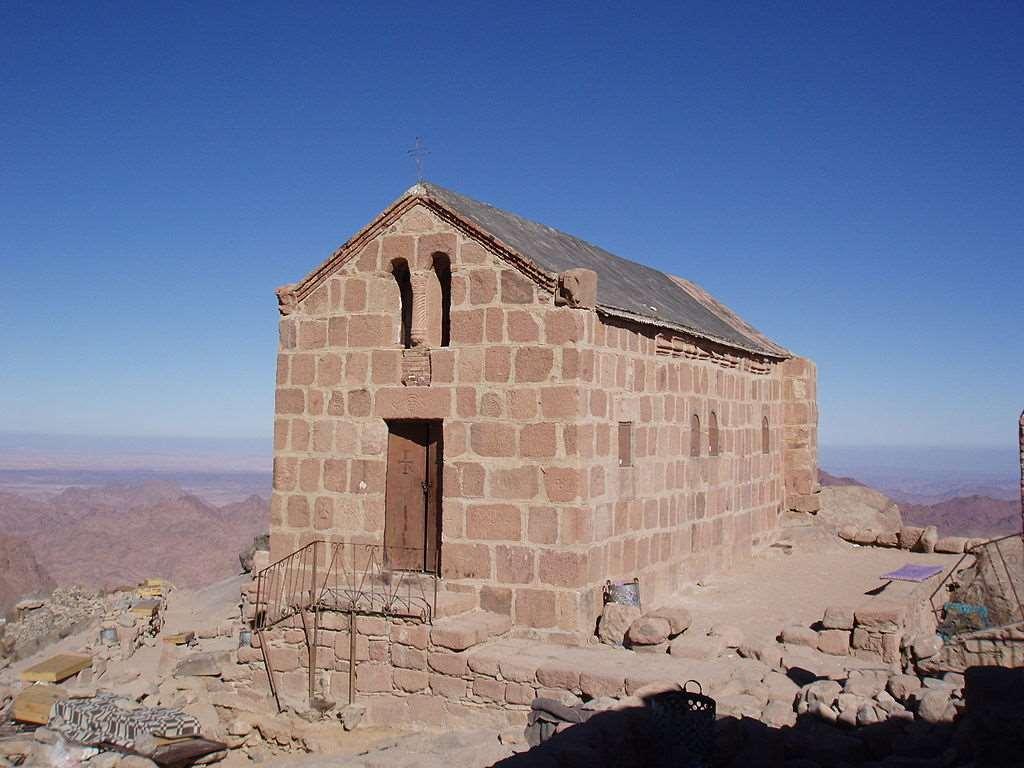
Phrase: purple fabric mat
x=913 y=573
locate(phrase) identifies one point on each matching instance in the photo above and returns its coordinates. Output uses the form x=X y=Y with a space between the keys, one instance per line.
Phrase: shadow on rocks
x=989 y=731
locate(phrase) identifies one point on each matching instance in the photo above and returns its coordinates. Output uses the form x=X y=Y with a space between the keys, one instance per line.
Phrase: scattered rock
x=903 y=687
x=825 y=712
x=697 y=647
x=351 y=716
x=616 y=619
x=821 y=692
x=936 y=706
x=838 y=617
x=678 y=618
x=649 y=630
x=106 y=760
x=849 y=533
x=239 y=727
x=799 y=635
x=513 y=736
x=204 y=664
x=778 y=714
x=835 y=642
x=601 y=703
x=956 y=679
x=780 y=687
x=888 y=539
x=909 y=536
x=866 y=537
x=732 y=636
x=44 y=735
x=865 y=682
x=928 y=539
x=848 y=705
x=739 y=705
x=926 y=646
x=952 y=545
x=885 y=700
x=769 y=654
x=869 y=714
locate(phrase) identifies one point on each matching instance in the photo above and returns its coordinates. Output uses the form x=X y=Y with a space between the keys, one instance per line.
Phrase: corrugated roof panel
x=621 y=284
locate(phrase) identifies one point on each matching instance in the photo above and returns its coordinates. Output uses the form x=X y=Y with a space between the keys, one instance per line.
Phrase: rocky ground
x=761 y=640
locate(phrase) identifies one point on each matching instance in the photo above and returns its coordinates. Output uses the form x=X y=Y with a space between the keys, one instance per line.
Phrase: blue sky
x=850 y=178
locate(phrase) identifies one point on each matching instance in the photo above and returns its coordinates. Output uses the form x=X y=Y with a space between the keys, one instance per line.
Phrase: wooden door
x=412 y=503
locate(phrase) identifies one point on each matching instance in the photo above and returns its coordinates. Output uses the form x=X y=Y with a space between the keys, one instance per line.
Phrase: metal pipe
x=351 y=656
x=270 y=670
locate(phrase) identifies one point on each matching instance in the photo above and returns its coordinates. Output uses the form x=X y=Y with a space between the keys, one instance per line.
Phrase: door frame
x=433 y=493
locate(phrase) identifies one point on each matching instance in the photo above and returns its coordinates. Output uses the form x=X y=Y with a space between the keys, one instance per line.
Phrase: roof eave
x=670 y=326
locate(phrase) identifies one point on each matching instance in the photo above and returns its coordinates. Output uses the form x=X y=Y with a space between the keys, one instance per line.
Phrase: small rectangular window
x=625 y=443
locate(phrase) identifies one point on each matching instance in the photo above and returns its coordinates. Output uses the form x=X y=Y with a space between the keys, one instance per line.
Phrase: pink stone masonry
x=537 y=512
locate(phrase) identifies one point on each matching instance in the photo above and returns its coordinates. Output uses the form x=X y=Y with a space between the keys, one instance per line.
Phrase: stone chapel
x=526 y=416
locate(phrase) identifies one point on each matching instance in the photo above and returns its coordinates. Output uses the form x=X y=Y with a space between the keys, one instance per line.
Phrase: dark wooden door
x=412 y=503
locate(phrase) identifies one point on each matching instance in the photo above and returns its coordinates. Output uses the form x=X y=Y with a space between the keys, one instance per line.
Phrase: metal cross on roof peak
x=418 y=153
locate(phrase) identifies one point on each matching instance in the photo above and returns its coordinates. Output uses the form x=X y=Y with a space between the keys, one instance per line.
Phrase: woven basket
x=683 y=727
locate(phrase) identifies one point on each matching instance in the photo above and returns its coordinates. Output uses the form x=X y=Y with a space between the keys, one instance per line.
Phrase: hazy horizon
x=849 y=182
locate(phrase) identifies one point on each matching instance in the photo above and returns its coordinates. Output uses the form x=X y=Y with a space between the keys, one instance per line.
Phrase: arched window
x=713 y=434
x=695 y=435
x=765 y=436
x=400 y=269
x=443 y=272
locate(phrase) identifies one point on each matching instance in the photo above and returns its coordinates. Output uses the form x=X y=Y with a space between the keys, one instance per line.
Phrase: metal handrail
x=366 y=579
x=993 y=545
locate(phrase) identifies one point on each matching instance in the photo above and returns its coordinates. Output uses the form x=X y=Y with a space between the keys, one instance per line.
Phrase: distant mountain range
x=118 y=535
x=979 y=516
x=975 y=515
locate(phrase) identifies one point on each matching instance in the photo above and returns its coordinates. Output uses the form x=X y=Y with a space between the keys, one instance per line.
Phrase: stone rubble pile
x=909 y=537
x=41 y=621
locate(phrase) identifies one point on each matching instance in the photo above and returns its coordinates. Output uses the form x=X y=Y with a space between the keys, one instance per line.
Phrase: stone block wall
x=666 y=516
x=800 y=393
x=537 y=513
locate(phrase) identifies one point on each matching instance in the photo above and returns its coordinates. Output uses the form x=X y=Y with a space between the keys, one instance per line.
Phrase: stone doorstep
x=594 y=671
x=454 y=604
x=467 y=630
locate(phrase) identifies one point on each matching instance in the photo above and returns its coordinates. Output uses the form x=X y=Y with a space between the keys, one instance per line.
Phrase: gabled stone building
x=529 y=415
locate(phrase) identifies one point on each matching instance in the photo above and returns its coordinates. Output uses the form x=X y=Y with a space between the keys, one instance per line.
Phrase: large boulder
x=678 y=618
x=649 y=630
x=616 y=619
x=859 y=507
x=936 y=706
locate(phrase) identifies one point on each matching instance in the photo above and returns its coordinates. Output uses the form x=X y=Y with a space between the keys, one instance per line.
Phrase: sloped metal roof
x=623 y=286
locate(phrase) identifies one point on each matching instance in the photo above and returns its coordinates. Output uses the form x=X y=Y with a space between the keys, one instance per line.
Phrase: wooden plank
x=145 y=608
x=154 y=582
x=181 y=638
x=57 y=668
x=183 y=751
x=156 y=591
x=33 y=704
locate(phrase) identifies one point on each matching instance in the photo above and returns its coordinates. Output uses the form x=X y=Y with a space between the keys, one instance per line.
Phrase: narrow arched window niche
x=713 y=438
x=766 y=442
x=443 y=272
x=400 y=271
x=695 y=435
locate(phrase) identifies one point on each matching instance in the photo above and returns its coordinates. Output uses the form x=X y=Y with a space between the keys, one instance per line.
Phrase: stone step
x=454 y=604
x=458 y=633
